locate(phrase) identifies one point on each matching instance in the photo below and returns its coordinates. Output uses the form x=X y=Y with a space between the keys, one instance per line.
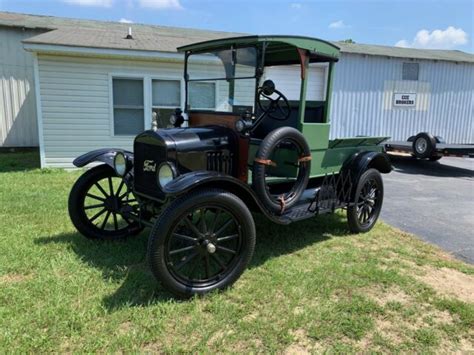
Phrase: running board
x=334 y=193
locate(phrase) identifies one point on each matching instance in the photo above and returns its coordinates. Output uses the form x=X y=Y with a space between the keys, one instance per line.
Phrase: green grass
x=310 y=287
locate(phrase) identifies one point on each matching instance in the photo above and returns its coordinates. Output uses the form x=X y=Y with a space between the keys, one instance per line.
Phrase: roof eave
x=54 y=49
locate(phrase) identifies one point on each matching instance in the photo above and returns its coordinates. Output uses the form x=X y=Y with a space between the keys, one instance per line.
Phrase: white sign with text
x=404 y=99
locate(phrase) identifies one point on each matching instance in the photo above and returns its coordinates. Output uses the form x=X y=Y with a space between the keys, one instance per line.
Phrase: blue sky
x=422 y=24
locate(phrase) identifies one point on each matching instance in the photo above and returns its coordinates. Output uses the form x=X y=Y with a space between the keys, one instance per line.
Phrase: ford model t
x=240 y=146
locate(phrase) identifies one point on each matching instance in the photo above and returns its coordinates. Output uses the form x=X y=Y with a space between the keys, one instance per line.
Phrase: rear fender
x=357 y=164
x=105 y=155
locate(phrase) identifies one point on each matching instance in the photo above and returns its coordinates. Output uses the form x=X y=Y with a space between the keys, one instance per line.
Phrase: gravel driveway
x=434 y=200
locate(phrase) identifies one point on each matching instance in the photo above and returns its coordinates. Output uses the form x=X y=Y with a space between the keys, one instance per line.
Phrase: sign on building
x=404 y=99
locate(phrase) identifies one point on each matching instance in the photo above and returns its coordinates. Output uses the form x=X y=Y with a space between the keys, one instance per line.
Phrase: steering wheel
x=277 y=107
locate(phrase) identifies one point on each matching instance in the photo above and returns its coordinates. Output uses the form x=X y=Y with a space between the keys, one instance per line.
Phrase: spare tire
x=282 y=200
x=424 y=145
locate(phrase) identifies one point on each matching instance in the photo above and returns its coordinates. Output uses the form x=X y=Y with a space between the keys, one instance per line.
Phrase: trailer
x=426 y=146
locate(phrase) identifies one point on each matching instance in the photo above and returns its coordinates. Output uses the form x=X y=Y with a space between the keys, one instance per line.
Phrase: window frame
x=147 y=97
x=215 y=97
x=167 y=78
x=417 y=72
x=129 y=76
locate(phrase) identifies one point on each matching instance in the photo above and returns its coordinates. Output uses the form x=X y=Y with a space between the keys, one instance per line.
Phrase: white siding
x=18 y=125
x=76 y=108
x=76 y=94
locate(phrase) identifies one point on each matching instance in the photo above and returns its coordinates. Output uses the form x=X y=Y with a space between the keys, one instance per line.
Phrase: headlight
x=166 y=173
x=120 y=164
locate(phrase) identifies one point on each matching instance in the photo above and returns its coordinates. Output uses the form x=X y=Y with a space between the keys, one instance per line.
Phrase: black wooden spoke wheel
x=280 y=197
x=201 y=242
x=368 y=199
x=95 y=205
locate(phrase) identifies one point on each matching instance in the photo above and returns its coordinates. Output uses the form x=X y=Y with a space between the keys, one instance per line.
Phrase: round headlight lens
x=120 y=164
x=166 y=174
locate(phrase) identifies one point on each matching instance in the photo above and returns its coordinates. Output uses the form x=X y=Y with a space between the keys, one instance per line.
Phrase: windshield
x=222 y=81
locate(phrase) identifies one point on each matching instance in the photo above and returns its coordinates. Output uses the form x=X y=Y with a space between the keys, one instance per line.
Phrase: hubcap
x=421 y=145
x=211 y=248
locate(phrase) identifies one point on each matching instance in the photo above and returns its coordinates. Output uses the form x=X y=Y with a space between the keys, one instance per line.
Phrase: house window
x=202 y=96
x=128 y=106
x=410 y=71
x=165 y=98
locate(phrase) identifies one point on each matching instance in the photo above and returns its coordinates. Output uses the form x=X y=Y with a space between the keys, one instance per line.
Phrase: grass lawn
x=311 y=286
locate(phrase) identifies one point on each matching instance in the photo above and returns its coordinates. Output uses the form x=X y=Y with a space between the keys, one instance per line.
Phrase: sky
x=435 y=24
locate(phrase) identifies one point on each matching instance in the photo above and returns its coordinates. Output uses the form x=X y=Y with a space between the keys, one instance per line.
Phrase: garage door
x=287 y=80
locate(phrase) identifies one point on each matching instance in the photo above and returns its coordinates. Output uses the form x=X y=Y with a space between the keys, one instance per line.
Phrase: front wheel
x=202 y=242
x=95 y=202
x=364 y=212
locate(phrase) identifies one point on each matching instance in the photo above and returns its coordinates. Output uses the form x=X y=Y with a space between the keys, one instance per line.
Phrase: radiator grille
x=220 y=161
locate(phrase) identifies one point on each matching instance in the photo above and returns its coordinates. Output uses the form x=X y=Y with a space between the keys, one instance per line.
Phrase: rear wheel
x=368 y=199
x=95 y=202
x=202 y=242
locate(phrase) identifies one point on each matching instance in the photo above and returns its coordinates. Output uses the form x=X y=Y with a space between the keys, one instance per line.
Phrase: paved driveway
x=434 y=201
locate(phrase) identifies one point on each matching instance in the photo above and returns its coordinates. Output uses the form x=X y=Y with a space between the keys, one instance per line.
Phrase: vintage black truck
x=197 y=183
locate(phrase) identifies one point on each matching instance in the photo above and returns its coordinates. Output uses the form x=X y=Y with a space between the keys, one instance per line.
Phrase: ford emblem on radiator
x=149 y=165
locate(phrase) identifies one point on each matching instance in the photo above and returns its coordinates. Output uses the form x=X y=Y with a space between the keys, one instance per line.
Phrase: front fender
x=212 y=179
x=184 y=183
x=104 y=155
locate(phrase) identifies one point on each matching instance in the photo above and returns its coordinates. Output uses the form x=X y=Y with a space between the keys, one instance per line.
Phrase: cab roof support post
x=327 y=104
x=304 y=63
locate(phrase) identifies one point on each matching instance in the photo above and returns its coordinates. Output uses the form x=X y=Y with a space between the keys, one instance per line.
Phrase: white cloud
x=98 y=3
x=296 y=5
x=449 y=38
x=338 y=25
x=124 y=20
x=161 y=4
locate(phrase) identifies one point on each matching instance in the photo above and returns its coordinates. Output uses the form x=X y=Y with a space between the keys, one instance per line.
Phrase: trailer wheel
x=424 y=145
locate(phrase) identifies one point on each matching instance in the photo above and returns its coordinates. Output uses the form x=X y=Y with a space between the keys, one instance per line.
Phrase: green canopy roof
x=279 y=49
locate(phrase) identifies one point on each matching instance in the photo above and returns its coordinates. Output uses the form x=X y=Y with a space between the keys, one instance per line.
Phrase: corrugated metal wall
x=362 y=101
x=18 y=124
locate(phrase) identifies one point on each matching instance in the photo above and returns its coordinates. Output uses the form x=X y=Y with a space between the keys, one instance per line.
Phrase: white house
x=95 y=88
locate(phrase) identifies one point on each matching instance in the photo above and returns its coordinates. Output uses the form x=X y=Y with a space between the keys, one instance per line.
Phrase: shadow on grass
x=19 y=161
x=124 y=262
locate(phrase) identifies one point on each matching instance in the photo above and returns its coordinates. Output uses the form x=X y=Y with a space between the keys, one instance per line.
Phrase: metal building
x=18 y=124
x=370 y=82
x=68 y=108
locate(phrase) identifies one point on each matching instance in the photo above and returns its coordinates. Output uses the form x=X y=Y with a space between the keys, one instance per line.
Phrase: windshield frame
x=256 y=76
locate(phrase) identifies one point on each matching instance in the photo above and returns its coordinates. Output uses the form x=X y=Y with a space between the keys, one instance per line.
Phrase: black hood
x=188 y=149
